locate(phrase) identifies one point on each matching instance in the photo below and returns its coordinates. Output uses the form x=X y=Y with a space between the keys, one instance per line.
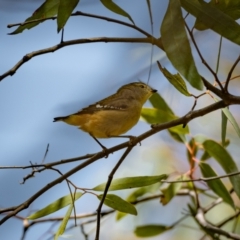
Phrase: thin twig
x=219 y=53
x=228 y=219
x=110 y=177
x=230 y=73
x=209 y=227
x=51 y=164
x=203 y=60
x=29 y=56
x=202 y=178
x=85 y=235
x=195 y=100
x=155 y=128
x=46 y=152
x=79 y=13
x=62 y=35
x=72 y=194
x=151 y=55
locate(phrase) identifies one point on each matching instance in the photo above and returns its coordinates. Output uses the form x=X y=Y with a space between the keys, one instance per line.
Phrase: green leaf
x=225 y=160
x=170 y=191
x=153 y=115
x=64 y=11
x=231 y=120
x=176 y=136
x=139 y=192
x=150 y=11
x=200 y=138
x=130 y=182
x=194 y=147
x=120 y=215
x=64 y=222
x=205 y=156
x=216 y=185
x=48 y=9
x=224 y=128
x=230 y=117
x=109 y=4
x=158 y=102
x=55 y=206
x=117 y=203
x=176 y=80
x=214 y=19
x=231 y=8
x=176 y=44
x=150 y=230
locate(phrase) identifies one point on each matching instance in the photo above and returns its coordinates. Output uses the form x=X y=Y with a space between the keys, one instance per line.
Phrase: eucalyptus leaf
x=48 y=9
x=231 y=120
x=158 y=102
x=219 y=153
x=153 y=115
x=176 y=44
x=224 y=128
x=170 y=190
x=177 y=136
x=109 y=4
x=216 y=185
x=139 y=192
x=150 y=230
x=131 y=182
x=55 y=206
x=229 y=7
x=64 y=222
x=194 y=149
x=117 y=203
x=64 y=12
x=214 y=19
x=230 y=117
x=176 y=80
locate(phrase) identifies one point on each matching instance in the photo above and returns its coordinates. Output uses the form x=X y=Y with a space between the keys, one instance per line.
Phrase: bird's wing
x=107 y=104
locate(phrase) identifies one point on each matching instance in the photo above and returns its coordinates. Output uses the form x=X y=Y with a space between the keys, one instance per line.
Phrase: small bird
x=113 y=115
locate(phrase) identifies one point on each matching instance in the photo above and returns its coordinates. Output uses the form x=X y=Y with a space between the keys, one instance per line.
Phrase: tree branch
x=110 y=177
x=209 y=227
x=203 y=60
x=29 y=56
x=202 y=178
x=80 y=13
x=230 y=73
x=155 y=128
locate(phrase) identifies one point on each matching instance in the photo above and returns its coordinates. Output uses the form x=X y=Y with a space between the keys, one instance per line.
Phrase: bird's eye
x=142 y=86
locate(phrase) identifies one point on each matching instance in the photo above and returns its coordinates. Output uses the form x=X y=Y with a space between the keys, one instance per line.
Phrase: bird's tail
x=56 y=119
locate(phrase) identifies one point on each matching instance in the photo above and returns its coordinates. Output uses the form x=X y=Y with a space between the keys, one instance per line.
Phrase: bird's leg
x=103 y=147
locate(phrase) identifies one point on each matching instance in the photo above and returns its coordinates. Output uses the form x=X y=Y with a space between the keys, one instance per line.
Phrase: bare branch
x=47 y=165
x=110 y=177
x=230 y=73
x=29 y=56
x=230 y=99
x=46 y=152
x=202 y=178
x=209 y=227
x=228 y=219
x=79 y=13
x=203 y=60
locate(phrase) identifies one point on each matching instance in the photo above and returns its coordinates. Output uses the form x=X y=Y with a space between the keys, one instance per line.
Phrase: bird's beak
x=154 y=90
